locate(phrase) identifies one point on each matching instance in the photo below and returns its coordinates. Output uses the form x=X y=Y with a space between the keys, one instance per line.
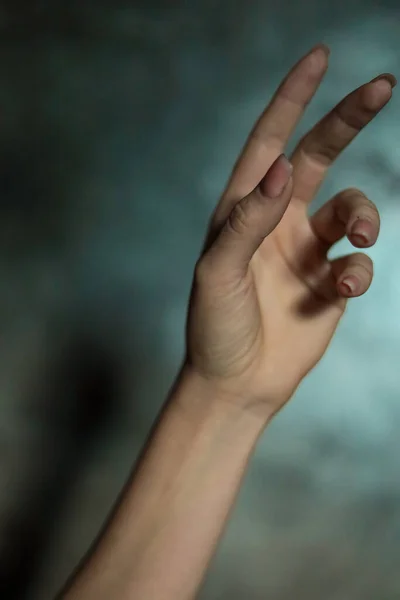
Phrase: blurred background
x=119 y=124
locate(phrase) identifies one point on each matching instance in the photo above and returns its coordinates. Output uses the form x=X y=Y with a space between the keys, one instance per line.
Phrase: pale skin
x=265 y=303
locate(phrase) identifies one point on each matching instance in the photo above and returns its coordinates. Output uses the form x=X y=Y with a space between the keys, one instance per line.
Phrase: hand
x=266 y=300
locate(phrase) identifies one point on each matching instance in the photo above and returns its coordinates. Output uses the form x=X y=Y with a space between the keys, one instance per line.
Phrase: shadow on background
x=79 y=398
x=89 y=377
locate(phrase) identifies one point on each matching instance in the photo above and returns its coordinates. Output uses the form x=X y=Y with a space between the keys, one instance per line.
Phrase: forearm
x=172 y=513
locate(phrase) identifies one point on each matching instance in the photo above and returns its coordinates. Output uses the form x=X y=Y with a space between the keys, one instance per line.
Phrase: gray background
x=119 y=124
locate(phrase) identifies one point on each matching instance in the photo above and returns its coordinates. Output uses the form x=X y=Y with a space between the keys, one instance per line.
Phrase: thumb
x=253 y=218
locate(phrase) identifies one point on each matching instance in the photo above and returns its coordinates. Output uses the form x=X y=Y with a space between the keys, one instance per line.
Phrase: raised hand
x=265 y=299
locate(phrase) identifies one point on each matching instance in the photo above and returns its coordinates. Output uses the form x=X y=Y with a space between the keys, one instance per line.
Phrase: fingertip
x=317 y=61
x=363 y=233
x=321 y=50
x=277 y=178
x=360 y=240
x=388 y=77
x=348 y=286
x=376 y=95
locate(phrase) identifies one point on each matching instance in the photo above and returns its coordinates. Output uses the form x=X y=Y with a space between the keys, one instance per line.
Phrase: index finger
x=273 y=129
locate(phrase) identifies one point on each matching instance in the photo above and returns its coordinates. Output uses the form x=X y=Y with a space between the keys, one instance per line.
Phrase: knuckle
x=356 y=195
x=363 y=263
x=360 y=203
x=368 y=267
x=238 y=220
x=355 y=118
x=319 y=150
x=370 y=213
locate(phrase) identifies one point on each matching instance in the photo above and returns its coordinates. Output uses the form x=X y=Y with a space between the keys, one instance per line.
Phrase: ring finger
x=348 y=213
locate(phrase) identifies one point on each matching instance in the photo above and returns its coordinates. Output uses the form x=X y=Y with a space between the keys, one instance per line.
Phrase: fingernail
x=349 y=284
x=359 y=231
x=322 y=47
x=277 y=178
x=386 y=77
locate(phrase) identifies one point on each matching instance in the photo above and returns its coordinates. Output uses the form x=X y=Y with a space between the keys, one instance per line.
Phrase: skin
x=266 y=299
x=265 y=303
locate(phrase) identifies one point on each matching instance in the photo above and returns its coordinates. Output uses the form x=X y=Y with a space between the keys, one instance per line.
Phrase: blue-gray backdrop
x=119 y=124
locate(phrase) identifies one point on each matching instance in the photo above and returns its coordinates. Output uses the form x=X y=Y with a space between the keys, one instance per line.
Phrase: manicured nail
x=349 y=285
x=277 y=177
x=386 y=77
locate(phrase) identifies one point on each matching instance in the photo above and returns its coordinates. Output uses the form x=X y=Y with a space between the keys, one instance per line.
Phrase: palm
x=292 y=263
x=301 y=255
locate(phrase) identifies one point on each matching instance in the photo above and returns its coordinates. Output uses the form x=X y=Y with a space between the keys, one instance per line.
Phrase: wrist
x=202 y=399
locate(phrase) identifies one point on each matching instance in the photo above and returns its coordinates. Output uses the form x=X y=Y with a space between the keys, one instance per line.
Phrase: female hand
x=266 y=300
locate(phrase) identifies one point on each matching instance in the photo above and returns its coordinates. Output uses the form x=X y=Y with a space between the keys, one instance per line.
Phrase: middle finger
x=318 y=149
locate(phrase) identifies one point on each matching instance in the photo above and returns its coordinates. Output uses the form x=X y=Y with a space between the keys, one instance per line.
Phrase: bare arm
x=265 y=303
x=173 y=510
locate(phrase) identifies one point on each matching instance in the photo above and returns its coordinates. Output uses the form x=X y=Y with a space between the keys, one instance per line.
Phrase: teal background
x=119 y=124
